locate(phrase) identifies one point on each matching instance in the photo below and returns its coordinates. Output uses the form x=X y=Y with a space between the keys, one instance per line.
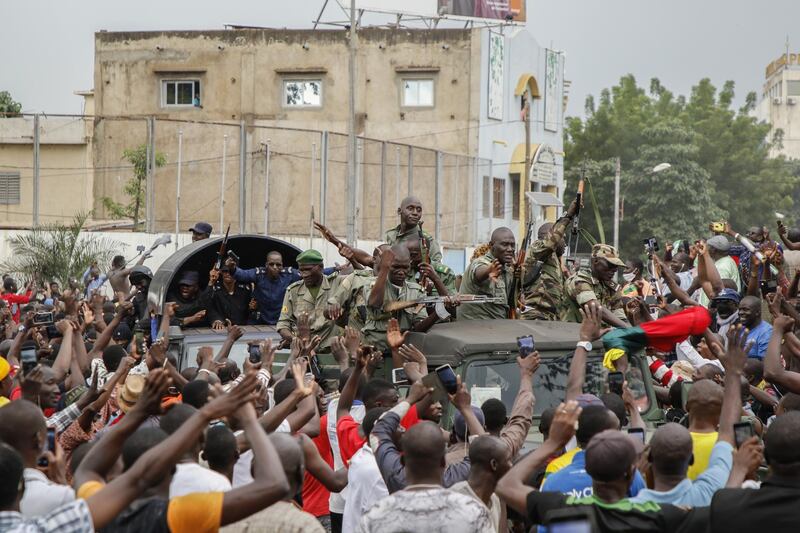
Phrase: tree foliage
x=57 y=252
x=135 y=187
x=721 y=167
x=8 y=107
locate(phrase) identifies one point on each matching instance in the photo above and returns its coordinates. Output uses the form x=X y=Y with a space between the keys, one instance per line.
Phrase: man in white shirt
x=364 y=481
x=189 y=476
x=22 y=426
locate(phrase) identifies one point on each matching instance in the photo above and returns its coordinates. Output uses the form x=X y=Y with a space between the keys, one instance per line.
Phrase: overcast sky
x=46 y=46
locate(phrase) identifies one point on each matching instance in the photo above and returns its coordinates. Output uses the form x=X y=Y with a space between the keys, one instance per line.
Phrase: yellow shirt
x=560 y=462
x=702 y=443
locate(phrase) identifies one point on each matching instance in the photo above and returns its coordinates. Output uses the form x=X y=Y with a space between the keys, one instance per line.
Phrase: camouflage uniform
x=394 y=236
x=298 y=299
x=583 y=287
x=352 y=295
x=545 y=297
x=445 y=274
x=489 y=288
x=378 y=320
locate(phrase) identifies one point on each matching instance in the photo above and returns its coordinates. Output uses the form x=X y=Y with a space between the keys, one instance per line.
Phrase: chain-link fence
x=256 y=177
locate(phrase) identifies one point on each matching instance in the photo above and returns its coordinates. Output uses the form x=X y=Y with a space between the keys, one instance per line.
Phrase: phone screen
x=570 y=526
x=399 y=376
x=525 y=345
x=448 y=378
x=615 y=381
x=637 y=432
x=28 y=358
x=741 y=432
x=254 y=352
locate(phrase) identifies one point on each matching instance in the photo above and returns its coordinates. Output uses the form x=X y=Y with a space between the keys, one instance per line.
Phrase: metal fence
x=257 y=177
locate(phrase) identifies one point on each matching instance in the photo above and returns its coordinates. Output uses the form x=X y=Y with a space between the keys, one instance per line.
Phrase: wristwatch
x=586 y=345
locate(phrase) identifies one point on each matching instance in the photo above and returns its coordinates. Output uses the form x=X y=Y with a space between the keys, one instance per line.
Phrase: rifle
x=423 y=248
x=399 y=305
x=222 y=253
x=514 y=290
x=576 y=222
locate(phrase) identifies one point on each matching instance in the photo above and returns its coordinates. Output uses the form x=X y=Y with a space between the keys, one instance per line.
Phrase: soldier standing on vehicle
x=309 y=295
x=392 y=285
x=596 y=284
x=410 y=212
x=490 y=275
x=543 y=273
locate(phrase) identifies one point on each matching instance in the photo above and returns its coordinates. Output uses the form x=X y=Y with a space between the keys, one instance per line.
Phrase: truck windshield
x=500 y=379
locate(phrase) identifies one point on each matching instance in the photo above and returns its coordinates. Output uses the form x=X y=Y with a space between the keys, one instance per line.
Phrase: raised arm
x=591 y=330
x=512 y=487
x=462 y=401
x=774 y=372
x=378 y=291
x=733 y=362
x=124 y=309
x=334 y=481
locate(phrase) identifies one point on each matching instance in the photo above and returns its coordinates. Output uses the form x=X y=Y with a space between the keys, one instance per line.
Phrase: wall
x=783 y=116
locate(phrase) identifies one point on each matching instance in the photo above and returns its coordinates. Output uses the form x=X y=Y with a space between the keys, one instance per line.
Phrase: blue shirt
x=759 y=335
x=697 y=493
x=269 y=292
x=573 y=480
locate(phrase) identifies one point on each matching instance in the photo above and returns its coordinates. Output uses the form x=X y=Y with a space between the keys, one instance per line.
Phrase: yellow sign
x=785 y=59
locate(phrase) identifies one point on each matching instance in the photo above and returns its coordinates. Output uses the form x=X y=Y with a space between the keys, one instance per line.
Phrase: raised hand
x=592 y=325
x=495 y=270
x=334 y=312
x=565 y=419
x=736 y=355
x=411 y=354
x=782 y=323
x=352 y=340
x=529 y=365
x=298 y=373
x=461 y=399
x=226 y=404
x=267 y=354
x=393 y=336
x=155 y=387
x=418 y=392
x=339 y=351
x=304 y=326
x=235 y=333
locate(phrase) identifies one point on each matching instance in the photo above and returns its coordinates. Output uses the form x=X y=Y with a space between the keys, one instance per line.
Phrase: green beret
x=309 y=257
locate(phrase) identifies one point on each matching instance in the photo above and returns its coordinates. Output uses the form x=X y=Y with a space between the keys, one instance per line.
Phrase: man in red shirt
x=15 y=300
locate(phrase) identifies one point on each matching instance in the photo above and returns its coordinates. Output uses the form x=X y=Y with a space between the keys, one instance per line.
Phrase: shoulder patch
x=295 y=284
x=260 y=271
x=442 y=269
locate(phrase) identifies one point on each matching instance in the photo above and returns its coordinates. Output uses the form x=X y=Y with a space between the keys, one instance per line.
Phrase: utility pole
x=616 y=204
x=222 y=182
x=178 y=189
x=351 y=131
x=525 y=183
x=36 y=169
x=266 y=187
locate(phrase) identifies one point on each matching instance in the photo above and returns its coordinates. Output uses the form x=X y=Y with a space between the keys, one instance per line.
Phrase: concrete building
x=65 y=177
x=438 y=115
x=780 y=102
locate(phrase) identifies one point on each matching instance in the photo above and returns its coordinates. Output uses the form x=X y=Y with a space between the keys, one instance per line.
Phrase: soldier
x=544 y=296
x=392 y=285
x=490 y=275
x=436 y=272
x=350 y=298
x=410 y=212
x=309 y=295
x=596 y=284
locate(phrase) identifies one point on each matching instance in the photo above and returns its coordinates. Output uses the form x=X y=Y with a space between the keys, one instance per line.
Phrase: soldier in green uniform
x=309 y=295
x=490 y=275
x=410 y=212
x=348 y=304
x=596 y=284
x=436 y=272
x=544 y=297
x=392 y=285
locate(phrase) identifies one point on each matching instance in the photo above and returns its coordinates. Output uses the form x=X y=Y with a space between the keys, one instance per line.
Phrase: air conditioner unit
x=791 y=101
x=777 y=100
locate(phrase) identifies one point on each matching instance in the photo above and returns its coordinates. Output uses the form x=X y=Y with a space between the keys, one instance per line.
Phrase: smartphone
x=570 y=521
x=254 y=353
x=43 y=318
x=448 y=378
x=28 y=358
x=768 y=286
x=615 y=381
x=717 y=227
x=399 y=376
x=50 y=446
x=741 y=432
x=526 y=345
x=637 y=432
x=140 y=343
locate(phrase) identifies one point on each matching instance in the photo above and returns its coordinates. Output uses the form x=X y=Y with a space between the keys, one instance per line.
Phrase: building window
x=302 y=93
x=9 y=188
x=487 y=197
x=515 y=196
x=417 y=93
x=792 y=87
x=499 y=198
x=180 y=93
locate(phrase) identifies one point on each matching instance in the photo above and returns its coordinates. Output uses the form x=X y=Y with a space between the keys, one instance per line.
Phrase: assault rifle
x=399 y=305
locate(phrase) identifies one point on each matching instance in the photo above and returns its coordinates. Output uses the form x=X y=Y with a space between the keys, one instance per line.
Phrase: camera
x=650 y=246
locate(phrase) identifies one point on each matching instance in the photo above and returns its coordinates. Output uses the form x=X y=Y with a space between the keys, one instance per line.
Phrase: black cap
x=123 y=333
x=202 y=227
x=190 y=277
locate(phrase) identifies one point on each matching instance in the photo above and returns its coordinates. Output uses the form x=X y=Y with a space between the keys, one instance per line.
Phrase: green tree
x=134 y=188
x=57 y=252
x=719 y=153
x=8 y=107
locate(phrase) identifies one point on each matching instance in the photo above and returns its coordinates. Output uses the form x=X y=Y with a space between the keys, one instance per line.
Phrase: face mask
x=629 y=277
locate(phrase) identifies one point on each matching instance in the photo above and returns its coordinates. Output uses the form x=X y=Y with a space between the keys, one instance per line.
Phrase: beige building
x=780 y=102
x=438 y=115
x=65 y=177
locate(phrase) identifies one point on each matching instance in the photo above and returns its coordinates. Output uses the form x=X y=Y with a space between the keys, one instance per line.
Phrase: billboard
x=553 y=96
x=510 y=10
x=504 y=10
x=496 y=68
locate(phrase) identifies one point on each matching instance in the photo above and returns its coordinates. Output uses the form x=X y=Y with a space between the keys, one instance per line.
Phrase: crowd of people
x=102 y=428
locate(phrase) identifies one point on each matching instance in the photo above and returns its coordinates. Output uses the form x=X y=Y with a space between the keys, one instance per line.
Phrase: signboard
x=510 y=10
x=496 y=69
x=503 y=10
x=553 y=101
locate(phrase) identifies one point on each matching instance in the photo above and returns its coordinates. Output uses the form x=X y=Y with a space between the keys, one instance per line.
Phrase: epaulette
x=260 y=271
x=295 y=284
